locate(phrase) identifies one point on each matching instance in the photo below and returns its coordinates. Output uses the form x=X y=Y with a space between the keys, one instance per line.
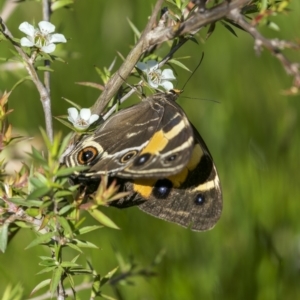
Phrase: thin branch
x=46 y=17
x=158 y=35
x=274 y=45
x=131 y=92
x=7 y=9
x=117 y=79
x=28 y=62
x=20 y=214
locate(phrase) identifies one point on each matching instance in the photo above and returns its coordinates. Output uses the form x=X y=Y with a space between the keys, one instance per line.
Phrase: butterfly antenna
x=199 y=63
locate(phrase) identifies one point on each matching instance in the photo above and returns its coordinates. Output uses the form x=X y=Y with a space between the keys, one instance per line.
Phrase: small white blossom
x=156 y=77
x=41 y=37
x=83 y=119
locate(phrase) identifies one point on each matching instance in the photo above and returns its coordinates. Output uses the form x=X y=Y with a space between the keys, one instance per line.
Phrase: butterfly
x=158 y=158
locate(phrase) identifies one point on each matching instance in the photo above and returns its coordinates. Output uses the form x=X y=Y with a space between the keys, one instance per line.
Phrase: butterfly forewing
x=169 y=148
x=152 y=139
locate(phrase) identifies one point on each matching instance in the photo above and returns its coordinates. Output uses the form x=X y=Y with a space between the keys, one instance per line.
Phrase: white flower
x=156 y=76
x=83 y=119
x=41 y=37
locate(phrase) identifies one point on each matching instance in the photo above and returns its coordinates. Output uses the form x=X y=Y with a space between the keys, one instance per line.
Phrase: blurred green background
x=252 y=133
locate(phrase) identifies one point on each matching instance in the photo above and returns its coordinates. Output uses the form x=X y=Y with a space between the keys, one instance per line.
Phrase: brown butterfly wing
x=169 y=148
x=192 y=198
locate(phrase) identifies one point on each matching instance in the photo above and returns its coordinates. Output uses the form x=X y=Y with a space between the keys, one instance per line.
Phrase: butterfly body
x=157 y=156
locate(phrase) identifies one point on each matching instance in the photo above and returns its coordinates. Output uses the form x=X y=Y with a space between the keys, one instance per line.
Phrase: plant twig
x=46 y=17
x=44 y=95
x=117 y=79
x=7 y=9
x=274 y=45
x=154 y=36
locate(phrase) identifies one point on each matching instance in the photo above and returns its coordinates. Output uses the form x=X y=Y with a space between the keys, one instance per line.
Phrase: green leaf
x=46 y=139
x=66 y=226
x=87 y=229
x=13 y=292
x=20 y=81
x=36 y=155
x=3 y=237
x=273 y=26
x=108 y=276
x=173 y=7
x=65 y=142
x=65 y=209
x=43 y=238
x=71 y=280
x=50 y=262
x=66 y=123
x=62 y=194
x=102 y=218
x=62 y=172
x=80 y=271
x=47 y=270
x=56 y=278
x=210 y=30
x=39 y=192
x=44 y=68
x=27 y=203
x=69 y=264
x=45 y=257
x=40 y=286
x=73 y=246
x=36 y=182
x=73 y=103
x=60 y=4
x=107 y=297
x=229 y=28
x=75 y=258
x=134 y=28
x=84 y=244
x=179 y=64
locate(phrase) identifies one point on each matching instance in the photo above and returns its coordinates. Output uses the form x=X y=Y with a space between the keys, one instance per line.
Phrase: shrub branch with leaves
x=40 y=196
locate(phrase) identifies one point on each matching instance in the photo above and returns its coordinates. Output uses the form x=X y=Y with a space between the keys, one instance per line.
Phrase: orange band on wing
x=144 y=187
x=156 y=144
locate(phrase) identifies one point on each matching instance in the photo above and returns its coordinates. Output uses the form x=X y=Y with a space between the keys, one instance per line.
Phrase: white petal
x=25 y=42
x=168 y=74
x=46 y=26
x=152 y=84
x=49 y=48
x=57 y=38
x=152 y=64
x=27 y=28
x=167 y=85
x=142 y=66
x=73 y=114
x=85 y=114
x=93 y=119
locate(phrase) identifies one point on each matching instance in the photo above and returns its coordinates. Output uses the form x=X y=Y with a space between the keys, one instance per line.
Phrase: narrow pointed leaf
x=102 y=218
x=41 y=239
x=40 y=286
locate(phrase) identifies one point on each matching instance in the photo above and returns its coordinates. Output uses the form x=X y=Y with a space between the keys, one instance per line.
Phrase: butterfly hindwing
x=191 y=198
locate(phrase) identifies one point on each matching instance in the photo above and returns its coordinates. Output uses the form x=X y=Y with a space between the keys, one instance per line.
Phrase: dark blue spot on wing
x=200 y=199
x=162 y=188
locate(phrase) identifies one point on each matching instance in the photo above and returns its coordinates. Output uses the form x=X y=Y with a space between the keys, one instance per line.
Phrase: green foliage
x=254 y=138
